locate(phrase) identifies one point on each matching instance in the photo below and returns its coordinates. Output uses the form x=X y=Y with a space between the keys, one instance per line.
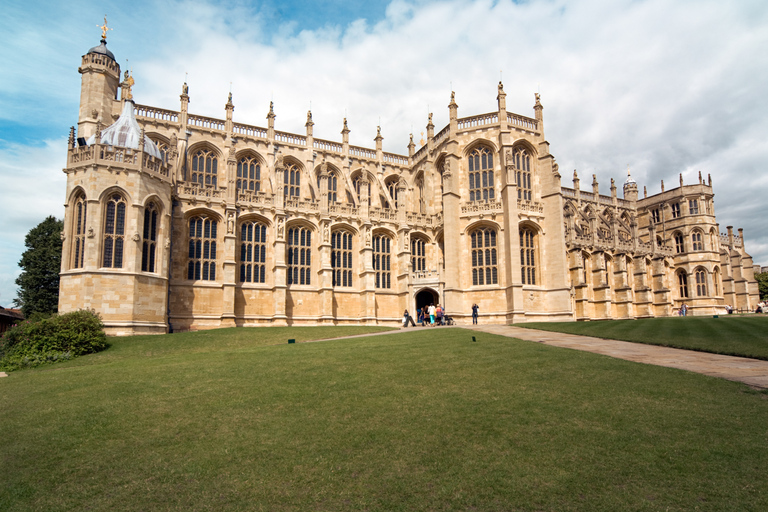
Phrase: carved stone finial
x=309 y=117
x=71 y=140
x=681 y=179
x=185 y=88
x=701 y=181
x=271 y=114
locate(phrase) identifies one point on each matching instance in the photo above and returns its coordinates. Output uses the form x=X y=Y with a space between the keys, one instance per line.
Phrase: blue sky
x=664 y=86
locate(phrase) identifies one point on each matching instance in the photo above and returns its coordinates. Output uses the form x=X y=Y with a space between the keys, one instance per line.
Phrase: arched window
x=341 y=258
x=248 y=175
x=679 y=243
x=418 y=254
x=528 y=255
x=205 y=168
x=114 y=232
x=149 y=244
x=682 y=282
x=701 y=283
x=357 y=182
x=484 y=269
x=292 y=182
x=392 y=188
x=382 y=247
x=299 y=255
x=202 y=249
x=696 y=241
x=716 y=281
x=422 y=208
x=165 y=151
x=481 y=174
x=78 y=231
x=253 y=252
x=523 y=164
x=332 y=183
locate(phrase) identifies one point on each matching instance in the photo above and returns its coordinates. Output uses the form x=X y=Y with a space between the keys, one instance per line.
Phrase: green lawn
x=423 y=420
x=732 y=335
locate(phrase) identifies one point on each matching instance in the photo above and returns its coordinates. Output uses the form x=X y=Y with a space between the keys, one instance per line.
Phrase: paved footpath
x=753 y=372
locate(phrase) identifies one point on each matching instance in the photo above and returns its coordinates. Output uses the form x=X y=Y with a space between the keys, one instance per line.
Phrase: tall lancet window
x=481 y=174
x=114 y=232
x=149 y=244
x=523 y=164
x=78 y=231
x=205 y=168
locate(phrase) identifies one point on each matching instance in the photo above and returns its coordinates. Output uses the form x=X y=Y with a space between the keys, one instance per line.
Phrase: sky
x=660 y=86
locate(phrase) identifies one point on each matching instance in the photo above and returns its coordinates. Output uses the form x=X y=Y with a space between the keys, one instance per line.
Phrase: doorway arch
x=426 y=297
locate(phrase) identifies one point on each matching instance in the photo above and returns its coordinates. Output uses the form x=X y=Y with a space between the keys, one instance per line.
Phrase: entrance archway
x=426 y=297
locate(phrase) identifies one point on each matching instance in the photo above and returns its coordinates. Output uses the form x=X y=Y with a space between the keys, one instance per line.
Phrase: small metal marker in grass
x=473 y=338
x=291 y=341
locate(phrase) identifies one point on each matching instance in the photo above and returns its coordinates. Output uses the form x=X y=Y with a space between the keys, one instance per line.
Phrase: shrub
x=46 y=340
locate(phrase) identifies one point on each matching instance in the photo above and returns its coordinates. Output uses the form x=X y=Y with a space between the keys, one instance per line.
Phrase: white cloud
x=33 y=189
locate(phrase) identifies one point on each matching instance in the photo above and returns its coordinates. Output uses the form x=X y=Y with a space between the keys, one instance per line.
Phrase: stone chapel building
x=176 y=221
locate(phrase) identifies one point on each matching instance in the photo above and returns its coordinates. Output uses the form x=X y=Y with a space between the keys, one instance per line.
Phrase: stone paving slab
x=753 y=372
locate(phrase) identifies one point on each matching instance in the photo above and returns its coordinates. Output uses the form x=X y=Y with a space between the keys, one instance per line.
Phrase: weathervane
x=104 y=28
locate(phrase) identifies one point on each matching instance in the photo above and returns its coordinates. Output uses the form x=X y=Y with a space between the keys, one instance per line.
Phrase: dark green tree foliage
x=40 y=265
x=42 y=340
x=762 y=284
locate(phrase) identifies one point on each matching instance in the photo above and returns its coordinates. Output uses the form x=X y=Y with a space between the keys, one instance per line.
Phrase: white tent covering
x=125 y=133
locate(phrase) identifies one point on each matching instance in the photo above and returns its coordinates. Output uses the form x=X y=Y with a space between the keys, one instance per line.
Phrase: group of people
x=433 y=315
x=762 y=307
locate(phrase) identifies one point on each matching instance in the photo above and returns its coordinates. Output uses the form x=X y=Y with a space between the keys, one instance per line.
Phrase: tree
x=40 y=265
x=762 y=284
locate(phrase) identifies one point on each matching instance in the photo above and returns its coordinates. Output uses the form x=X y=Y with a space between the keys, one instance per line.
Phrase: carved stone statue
x=230 y=223
x=280 y=228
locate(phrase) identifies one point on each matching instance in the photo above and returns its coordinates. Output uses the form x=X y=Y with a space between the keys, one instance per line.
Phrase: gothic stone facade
x=208 y=223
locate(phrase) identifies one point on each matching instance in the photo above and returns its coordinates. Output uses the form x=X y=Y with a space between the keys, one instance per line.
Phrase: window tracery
x=202 y=249
x=481 y=183
x=78 y=231
x=382 y=246
x=484 y=261
x=248 y=175
x=205 y=168
x=292 y=182
x=341 y=258
x=701 y=283
x=149 y=243
x=418 y=254
x=114 y=232
x=523 y=164
x=528 y=256
x=299 y=255
x=253 y=252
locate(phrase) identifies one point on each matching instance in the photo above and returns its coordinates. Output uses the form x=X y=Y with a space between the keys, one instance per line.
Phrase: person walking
x=439 y=315
x=431 y=311
x=475 y=309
